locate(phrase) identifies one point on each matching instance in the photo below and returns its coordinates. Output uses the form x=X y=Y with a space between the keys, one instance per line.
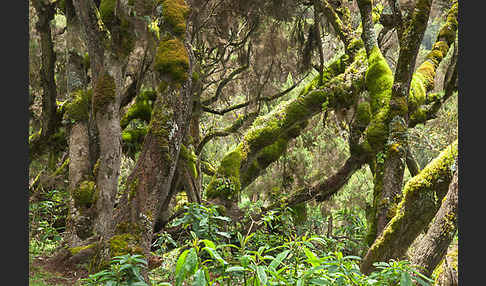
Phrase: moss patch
x=175 y=13
x=122 y=244
x=76 y=250
x=104 y=92
x=78 y=108
x=172 y=59
x=85 y=194
x=378 y=79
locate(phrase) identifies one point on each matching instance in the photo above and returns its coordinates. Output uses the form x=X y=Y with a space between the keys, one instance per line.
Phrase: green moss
x=378 y=80
x=104 y=92
x=272 y=152
x=377 y=132
x=78 y=108
x=363 y=114
x=421 y=198
x=85 y=194
x=134 y=136
x=76 y=250
x=128 y=227
x=448 y=31
x=122 y=244
x=107 y=12
x=141 y=109
x=226 y=183
x=171 y=59
x=175 y=13
x=190 y=158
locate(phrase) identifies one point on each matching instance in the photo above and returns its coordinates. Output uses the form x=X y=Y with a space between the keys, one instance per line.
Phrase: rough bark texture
x=149 y=185
x=447 y=271
x=433 y=246
x=79 y=224
x=422 y=197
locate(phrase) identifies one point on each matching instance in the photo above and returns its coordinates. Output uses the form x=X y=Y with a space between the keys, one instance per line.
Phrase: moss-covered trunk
x=149 y=184
x=422 y=197
x=431 y=249
x=79 y=224
x=397 y=100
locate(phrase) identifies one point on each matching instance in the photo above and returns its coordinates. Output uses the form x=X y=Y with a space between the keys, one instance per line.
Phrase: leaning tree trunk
x=447 y=271
x=431 y=249
x=422 y=197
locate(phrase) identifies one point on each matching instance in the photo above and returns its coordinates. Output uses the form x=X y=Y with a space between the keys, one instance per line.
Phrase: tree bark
x=422 y=197
x=433 y=246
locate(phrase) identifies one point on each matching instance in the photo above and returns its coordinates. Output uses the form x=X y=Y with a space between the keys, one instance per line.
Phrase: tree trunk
x=433 y=246
x=79 y=224
x=422 y=197
x=447 y=271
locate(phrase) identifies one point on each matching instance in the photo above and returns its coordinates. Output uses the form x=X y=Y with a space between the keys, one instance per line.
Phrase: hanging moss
x=175 y=13
x=172 y=59
x=78 y=108
x=104 y=92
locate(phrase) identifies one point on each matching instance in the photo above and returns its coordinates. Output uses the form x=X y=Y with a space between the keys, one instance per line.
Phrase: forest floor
x=44 y=271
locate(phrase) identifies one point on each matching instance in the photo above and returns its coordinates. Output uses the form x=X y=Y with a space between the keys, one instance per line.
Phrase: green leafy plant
x=124 y=271
x=204 y=221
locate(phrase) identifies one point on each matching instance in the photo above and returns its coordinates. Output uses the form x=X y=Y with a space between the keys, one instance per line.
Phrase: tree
x=143 y=76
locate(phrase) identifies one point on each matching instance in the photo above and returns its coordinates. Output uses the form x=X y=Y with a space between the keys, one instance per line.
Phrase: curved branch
x=230 y=77
x=244 y=104
x=326 y=188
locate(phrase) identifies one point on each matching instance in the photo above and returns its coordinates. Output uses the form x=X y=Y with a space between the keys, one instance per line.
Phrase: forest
x=243 y=142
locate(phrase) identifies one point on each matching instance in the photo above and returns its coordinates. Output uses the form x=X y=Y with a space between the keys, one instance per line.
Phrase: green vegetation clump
x=141 y=109
x=172 y=59
x=107 y=12
x=85 y=194
x=175 y=13
x=78 y=108
x=122 y=244
x=104 y=92
x=378 y=80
